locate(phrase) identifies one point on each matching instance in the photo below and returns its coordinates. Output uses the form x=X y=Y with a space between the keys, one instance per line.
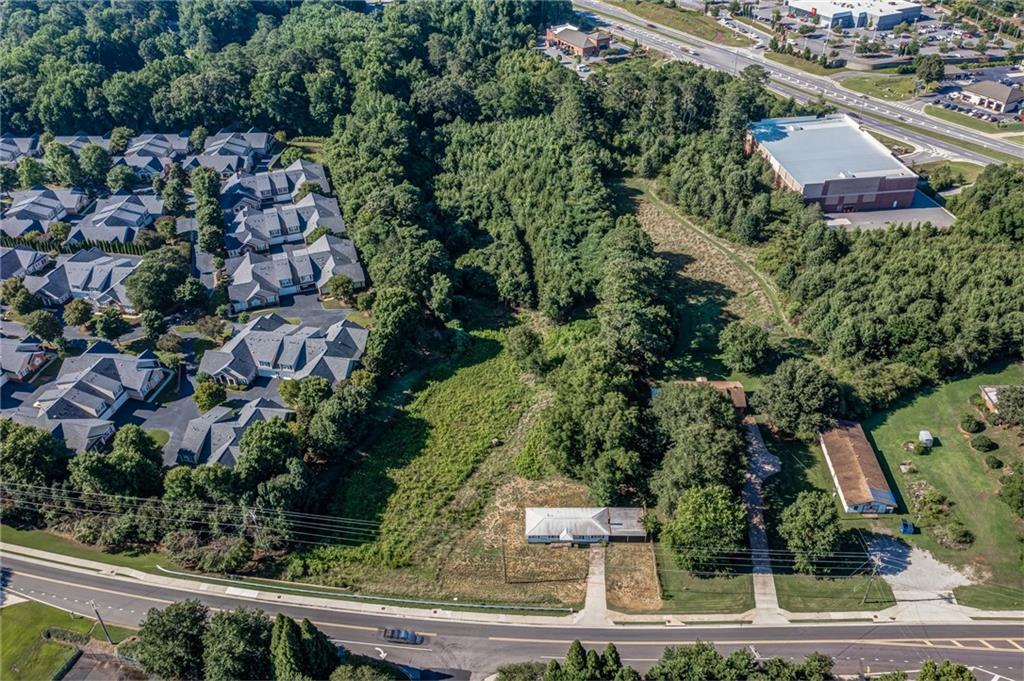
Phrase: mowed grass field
x=890 y=88
x=685 y=20
x=969 y=170
x=960 y=473
x=683 y=592
x=46 y=541
x=25 y=655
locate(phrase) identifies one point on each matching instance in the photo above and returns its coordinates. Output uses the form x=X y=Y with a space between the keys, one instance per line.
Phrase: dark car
x=401 y=636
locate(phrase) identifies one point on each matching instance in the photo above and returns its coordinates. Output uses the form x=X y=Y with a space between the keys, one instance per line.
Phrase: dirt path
x=726 y=263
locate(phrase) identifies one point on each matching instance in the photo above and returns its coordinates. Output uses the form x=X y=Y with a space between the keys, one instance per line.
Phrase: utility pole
x=102 y=623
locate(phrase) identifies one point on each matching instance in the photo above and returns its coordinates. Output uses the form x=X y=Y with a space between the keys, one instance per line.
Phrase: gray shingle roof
x=118 y=218
x=213 y=437
x=79 y=402
x=270 y=344
x=20 y=261
x=90 y=274
x=255 y=274
x=256 y=229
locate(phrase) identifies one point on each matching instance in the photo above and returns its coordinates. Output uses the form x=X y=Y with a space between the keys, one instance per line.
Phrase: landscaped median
x=890 y=88
x=970 y=121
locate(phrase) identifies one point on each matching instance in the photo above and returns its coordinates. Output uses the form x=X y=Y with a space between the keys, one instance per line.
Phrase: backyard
x=959 y=473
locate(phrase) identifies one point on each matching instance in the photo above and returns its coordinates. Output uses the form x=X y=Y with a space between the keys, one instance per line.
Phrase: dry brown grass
x=631 y=578
x=532 y=574
x=696 y=259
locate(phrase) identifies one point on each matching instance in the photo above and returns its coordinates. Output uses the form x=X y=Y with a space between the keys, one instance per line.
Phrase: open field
x=804 y=469
x=890 y=88
x=717 y=283
x=806 y=593
x=970 y=121
x=439 y=481
x=685 y=20
x=960 y=473
x=631 y=577
x=25 y=655
x=1016 y=139
x=796 y=62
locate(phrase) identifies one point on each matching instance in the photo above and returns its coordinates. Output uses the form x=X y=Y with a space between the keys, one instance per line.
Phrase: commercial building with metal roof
x=583 y=525
x=832 y=162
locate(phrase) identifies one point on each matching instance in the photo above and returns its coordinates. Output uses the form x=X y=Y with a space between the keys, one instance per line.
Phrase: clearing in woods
x=717 y=284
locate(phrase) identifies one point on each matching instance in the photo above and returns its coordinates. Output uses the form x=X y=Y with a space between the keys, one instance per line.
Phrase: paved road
x=476 y=648
x=799 y=84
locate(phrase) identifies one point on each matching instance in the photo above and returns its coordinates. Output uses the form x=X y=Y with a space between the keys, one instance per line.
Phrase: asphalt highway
x=465 y=649
x=879 y=114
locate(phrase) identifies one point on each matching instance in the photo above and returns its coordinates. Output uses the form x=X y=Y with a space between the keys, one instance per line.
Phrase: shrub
x=993 y=462
x=87 y=530
x=364 y=300
x=969 y=424
x=920 y=449
x=983 y=443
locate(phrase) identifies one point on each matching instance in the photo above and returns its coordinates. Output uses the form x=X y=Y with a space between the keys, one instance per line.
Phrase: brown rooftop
x=732 y=389
x=855 y=465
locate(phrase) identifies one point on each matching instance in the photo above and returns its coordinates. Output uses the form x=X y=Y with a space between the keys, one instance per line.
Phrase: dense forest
x=471 y=169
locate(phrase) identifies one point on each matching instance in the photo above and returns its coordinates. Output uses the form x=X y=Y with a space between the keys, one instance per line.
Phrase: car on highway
x=403 y=636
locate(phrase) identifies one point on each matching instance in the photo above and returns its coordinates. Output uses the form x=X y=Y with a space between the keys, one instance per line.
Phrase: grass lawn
x=970 y=121
x=682 y=592
x=804 y=469
x=685 y=20
x=891 y=88
x=898 y=147
x=24 y=654
x=960 y=474
x=185 y=328
x=1016 y=139
x=45 y=541
x=796 y=62
x=970 y=171
x=159 y=436
x=805 y=593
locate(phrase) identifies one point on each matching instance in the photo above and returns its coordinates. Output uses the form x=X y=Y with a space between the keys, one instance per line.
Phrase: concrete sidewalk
x=761 y=464
x=911 y=613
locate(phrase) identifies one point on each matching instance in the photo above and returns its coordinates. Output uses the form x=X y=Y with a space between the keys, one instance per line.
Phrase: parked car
x=404 y=636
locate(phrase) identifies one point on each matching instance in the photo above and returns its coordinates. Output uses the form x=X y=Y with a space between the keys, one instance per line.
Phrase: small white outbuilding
x=925 y=438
